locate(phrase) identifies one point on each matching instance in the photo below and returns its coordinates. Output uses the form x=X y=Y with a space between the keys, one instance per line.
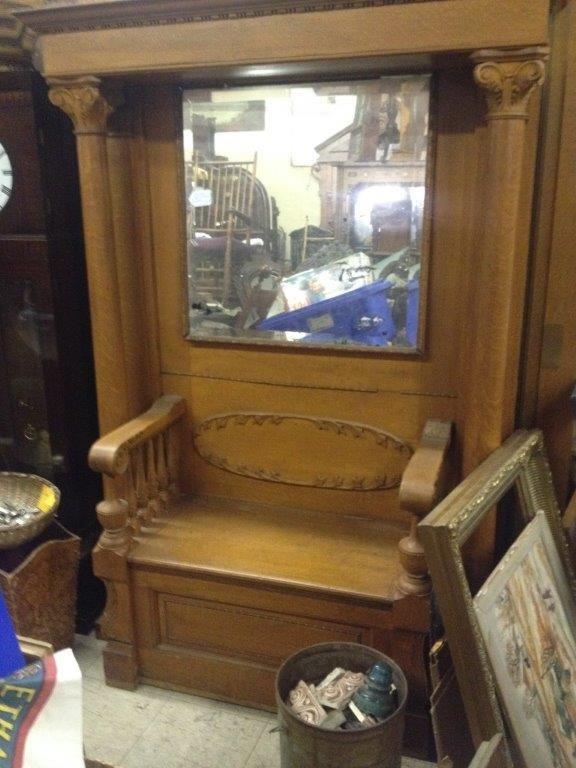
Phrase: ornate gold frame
x=486 y=756
x=521 y=463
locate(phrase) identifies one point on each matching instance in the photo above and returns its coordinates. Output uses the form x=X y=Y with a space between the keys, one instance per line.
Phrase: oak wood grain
x=451 y=25
x=334 y=554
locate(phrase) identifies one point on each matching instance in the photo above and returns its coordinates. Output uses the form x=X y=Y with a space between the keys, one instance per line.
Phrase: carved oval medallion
x=303 y=450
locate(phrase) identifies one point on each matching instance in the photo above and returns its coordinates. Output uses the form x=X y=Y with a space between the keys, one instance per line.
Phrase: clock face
x=6 y=177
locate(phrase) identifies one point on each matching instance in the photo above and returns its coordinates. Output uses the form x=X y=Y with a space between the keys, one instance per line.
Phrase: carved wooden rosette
x=509 y=79
x=88 y=107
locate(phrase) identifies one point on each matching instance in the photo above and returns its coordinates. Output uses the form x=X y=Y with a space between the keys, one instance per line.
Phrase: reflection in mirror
x=305 y=211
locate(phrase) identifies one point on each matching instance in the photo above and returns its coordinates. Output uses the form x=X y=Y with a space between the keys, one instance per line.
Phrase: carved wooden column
x=508 y=79
x=116 y=623
x=84 y=102
x=128 y=266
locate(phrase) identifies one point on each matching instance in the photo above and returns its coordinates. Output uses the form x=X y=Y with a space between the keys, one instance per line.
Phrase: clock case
x=48 y=414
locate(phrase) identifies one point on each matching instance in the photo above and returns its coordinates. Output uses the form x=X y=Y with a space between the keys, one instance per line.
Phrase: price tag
x=321 y=323
x=47 y=498
x=201 y=197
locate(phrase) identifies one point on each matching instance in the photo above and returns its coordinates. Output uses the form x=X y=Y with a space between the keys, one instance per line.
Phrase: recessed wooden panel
x=401 y=414
x=273 y=597
x=347 y=456
x=260 y=635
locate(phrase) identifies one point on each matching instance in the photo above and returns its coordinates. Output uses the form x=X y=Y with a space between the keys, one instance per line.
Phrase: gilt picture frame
x=520 y=464
x=486 y=756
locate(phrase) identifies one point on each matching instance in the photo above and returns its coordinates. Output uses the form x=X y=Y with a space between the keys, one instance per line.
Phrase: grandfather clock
x=47 y=401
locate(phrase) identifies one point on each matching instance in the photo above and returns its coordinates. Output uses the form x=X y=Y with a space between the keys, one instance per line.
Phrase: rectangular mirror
x=305 y=212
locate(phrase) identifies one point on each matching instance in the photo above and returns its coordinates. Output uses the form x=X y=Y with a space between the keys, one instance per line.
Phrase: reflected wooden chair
x=228 y=215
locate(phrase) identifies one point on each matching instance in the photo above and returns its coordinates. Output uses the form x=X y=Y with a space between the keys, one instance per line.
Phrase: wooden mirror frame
x=520 y=462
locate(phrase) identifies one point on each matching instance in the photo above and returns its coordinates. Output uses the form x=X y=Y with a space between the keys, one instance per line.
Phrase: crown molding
x=84 y=15
x=16 y=41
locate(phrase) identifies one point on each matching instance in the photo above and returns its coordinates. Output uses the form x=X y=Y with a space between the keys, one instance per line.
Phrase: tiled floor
x=151 y=727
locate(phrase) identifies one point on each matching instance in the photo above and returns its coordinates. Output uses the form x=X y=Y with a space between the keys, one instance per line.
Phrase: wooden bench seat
x=316 y=551
x=210 y=595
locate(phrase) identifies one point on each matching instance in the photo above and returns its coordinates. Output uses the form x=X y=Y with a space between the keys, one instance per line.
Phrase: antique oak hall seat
x=233 y=537
x=210 y=595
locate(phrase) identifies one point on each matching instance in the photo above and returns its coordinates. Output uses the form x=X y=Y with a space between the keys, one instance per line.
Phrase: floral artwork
x=526 y=615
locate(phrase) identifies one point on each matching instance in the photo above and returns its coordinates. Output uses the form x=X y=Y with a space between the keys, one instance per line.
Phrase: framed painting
x=231 y=116
x=483 y=638
x=527 y=617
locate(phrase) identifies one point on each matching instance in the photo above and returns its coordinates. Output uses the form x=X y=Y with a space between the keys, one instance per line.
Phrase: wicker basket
x=27 y=493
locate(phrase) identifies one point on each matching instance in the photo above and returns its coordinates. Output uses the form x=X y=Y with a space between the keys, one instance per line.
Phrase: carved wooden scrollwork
x=41 y=592
x=303 y=450
x=84 y=103
x=509 y=79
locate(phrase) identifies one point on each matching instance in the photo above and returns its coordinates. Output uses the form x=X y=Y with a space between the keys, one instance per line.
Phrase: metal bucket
x=309 y=746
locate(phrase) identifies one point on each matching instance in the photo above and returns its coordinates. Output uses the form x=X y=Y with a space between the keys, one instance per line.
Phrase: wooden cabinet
x=47 y=396
x=48 y=412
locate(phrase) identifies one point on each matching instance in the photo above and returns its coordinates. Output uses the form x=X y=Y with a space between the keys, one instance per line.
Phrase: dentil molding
x=82 y=15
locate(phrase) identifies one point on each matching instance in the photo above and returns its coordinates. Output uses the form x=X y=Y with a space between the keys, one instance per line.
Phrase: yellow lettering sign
x=18 y=690
x=12 y=711
x=5 y=727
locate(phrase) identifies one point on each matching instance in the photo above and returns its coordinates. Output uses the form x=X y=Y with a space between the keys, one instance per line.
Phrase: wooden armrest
x=424 y=481
x=426 y=477
x=110 y=454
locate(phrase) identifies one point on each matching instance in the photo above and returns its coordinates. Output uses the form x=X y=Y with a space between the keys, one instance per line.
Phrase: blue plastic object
x=11 y=657
x=362 y=315
x=377 y=696
x=413 y=304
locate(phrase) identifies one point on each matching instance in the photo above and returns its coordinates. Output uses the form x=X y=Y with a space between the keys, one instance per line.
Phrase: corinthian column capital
x=509 y=78
x=84 y=103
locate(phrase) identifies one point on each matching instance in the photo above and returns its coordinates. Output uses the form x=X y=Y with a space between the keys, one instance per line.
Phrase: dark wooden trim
x=74 y=16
